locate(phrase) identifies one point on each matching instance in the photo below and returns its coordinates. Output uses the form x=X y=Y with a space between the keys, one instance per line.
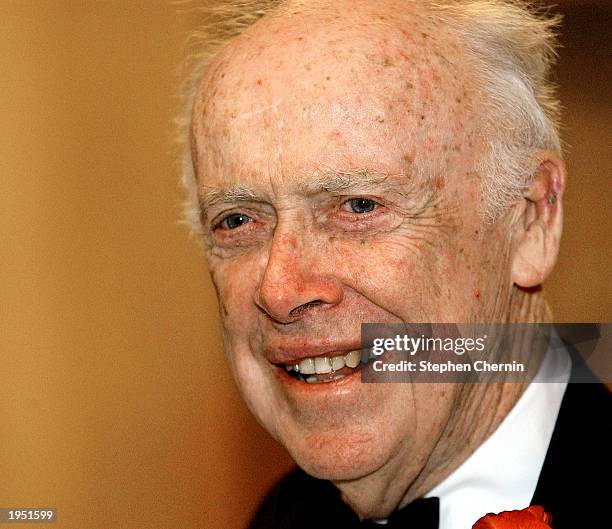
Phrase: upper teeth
x=326 y=364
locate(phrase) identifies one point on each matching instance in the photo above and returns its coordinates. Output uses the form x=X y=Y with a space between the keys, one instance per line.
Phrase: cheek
x=416 y=279
x=395 y=273
x=235 y=283
x=481 y=272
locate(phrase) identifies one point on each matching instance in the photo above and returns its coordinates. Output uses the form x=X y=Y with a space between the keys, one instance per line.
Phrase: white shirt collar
x=503 y=472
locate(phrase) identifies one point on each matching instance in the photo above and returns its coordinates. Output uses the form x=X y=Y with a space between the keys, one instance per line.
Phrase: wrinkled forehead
x=339 y=79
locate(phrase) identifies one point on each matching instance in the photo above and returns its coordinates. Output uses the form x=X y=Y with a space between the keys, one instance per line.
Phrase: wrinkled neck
x=528 y=306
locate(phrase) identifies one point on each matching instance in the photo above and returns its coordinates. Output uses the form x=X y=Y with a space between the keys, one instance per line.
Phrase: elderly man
x=382 y=161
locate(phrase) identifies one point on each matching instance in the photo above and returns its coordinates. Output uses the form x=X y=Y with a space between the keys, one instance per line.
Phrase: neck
x=480 y=410
x=528 y=306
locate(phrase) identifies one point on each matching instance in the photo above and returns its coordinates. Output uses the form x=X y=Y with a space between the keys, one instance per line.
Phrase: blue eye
x=231 y=222
x=361 y=205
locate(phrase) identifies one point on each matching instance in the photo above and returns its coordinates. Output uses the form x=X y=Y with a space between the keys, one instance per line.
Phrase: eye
x=233 y=221
x=360 y=205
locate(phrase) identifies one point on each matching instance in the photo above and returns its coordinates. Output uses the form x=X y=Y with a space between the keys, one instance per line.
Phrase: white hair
x=512 y=44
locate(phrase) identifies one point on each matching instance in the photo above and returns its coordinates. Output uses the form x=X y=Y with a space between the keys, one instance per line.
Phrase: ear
x=538 y=229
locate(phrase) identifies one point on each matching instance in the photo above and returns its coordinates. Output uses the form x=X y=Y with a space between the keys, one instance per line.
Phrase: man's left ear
x=538 y=229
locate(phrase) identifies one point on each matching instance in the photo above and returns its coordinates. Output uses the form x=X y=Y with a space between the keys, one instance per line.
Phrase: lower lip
x=333 y=386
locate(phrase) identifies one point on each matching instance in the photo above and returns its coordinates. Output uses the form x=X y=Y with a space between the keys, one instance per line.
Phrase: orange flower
x=534 y=517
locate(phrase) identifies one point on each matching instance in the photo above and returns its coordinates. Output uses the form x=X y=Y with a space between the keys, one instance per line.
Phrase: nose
x=296 y=282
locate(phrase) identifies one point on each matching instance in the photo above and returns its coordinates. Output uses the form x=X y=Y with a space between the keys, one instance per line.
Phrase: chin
x=340 y=455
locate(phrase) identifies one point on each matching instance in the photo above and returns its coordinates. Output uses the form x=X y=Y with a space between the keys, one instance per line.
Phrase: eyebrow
x=211 y=196
x=329 y=181
x=334 y=181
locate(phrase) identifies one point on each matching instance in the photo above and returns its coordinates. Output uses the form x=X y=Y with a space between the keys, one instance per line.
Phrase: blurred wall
x=580 y=288
x=116 y=406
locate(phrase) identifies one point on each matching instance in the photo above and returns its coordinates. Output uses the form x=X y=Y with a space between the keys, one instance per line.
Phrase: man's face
x=335 y=159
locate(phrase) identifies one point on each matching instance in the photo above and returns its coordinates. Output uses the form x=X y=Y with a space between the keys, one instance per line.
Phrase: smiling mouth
x=324 y=369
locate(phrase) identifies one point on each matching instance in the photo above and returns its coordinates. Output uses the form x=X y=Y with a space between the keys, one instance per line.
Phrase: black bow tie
x=423 y=513
x=303 y=502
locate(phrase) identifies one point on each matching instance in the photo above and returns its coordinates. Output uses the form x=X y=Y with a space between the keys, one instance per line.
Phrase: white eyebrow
x=329 y=181
x=335 y=181
x=358 y=181
x=210 y=196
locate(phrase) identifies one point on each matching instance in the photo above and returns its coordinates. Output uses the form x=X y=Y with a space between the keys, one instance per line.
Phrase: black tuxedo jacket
x=573 y=484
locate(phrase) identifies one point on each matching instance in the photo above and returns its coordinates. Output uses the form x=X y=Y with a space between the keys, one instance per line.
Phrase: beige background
x=115 y=403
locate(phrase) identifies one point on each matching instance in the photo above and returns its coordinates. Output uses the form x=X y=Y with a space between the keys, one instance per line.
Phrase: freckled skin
x=360 y=89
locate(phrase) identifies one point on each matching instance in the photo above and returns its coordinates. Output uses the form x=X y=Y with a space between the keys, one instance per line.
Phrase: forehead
x=332 y=89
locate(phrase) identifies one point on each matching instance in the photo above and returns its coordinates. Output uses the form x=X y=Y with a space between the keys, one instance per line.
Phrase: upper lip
x=293 y=353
